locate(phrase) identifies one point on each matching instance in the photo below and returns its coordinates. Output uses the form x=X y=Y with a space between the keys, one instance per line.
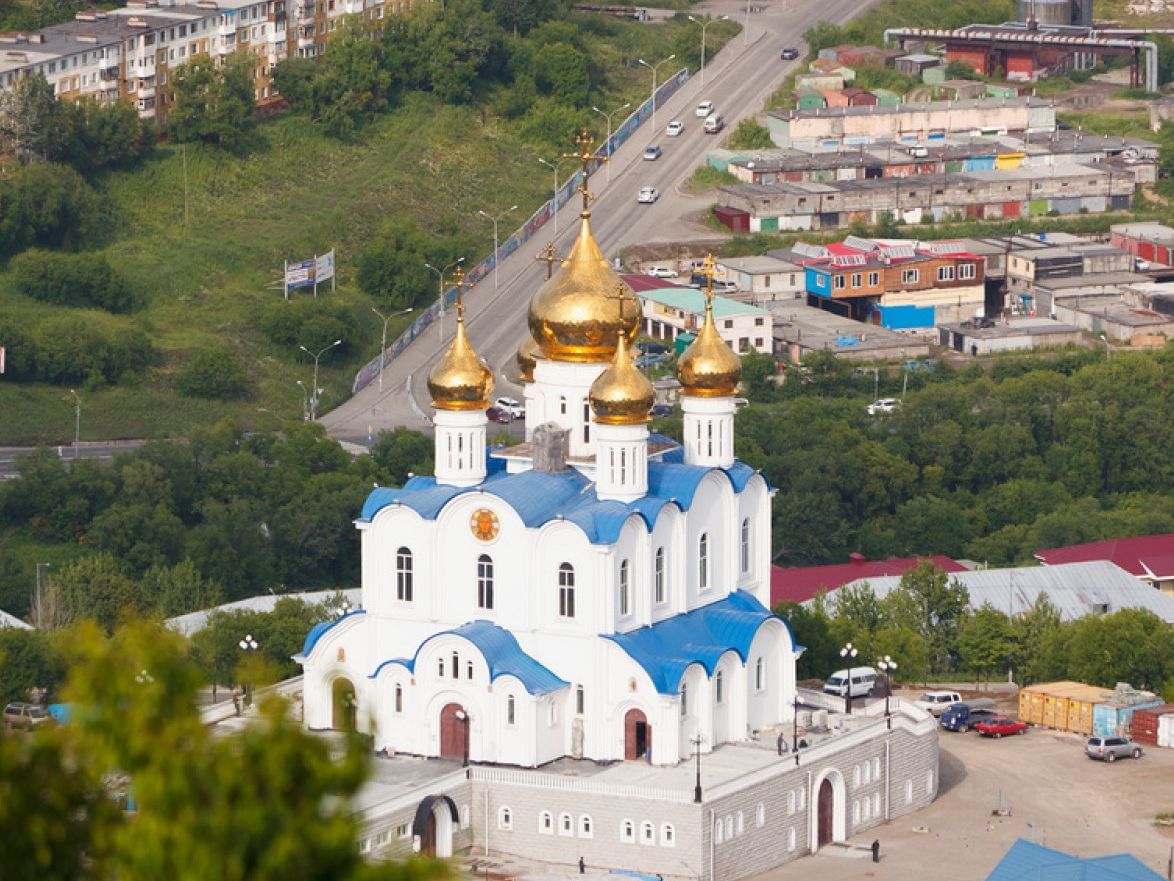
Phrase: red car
x=999 y=726
x=496 y=414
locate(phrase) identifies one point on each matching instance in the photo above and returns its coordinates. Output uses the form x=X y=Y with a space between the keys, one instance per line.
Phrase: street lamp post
x=885 y=665
x=383 y=338
x=315 y=391
x=608 y=115
x=848 y=651
x=77 y=421
x=704 y=25
x=747 y=28
x=305 y=402
x=697 y=741
x=494 y=219
x=653 y=68
x=553 y=166
x=440 y=273
x=464 y=719
x=795 y=727
x=248 y=644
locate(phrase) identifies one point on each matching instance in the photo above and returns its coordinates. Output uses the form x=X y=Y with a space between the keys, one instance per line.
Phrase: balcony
x=227 y=30
x=146 y=92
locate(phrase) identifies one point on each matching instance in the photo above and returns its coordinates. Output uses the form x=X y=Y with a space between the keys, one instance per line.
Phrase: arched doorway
x=345 y=704
x=637 y=735
x=825 y=813
x=454 y=732
x=433 y=826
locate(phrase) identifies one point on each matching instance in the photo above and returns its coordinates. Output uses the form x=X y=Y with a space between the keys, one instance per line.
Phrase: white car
x=647 y=196
x=511 y=406
x=704 y=109
x=661 y=272
x=674 y=128
x=883 y=405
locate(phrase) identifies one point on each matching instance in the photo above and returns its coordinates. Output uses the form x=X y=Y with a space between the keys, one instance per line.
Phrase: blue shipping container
x=1109 y=720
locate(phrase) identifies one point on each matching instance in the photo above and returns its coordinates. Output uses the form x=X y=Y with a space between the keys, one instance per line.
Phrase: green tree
x=984 y=641
x=561 y=71
x=179 y=589
x=351 y=83
x=391 y=268
x=907 y=648
x=28 y=660
x=31 y=119
x=46 y=205
x=95 y=588
x=401 y=452
x=1031 y=633
x=213 y=104
x=931 y=604
x=213 y=372
x=749 y=135
x=85 y=280
x=961 y=70
x=812 y=628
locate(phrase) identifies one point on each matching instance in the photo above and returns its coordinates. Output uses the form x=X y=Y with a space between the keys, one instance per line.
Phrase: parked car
x=999 y=726
x=936 y=702
x=674 y=128
x=647 y=195
x=23 y=715
x=862 y=682
x=511 y=406
x=662 y=410
x=704 y=109
x=652 y=152
x=960 y=717
x=724 y=286
x=714 y=123
x=883 y=405
x=661 y=272
x=496 y=414
x=789 y=54
x=651 y=348
x=651 y=360
x=1110 y=749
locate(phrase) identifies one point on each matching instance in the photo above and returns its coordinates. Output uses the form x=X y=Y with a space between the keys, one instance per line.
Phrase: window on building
x=760 y=815
x=802 y=798
x=741 y=827
x=727 y=323
x=876 y=804
x=566 y=825
x=855 y=775
x=468 y=669
x=562 y=405
x=647 y=833
x=966 y=271
x=668 y=835
x=403 y=575
x=758 y=342
x=746 y=545
x=791 y=838
x=873 y=279
x=857 y=279
x=580 y=700
x=791 y=802
x=509 y=710
x=586 y=828
x=627 y=831
x=841 y=282
x=399 y=698
x=759 y=675
x=658 y=576
x=729 y=827
x=856 y=812
x=717 y=832
x=552 y=713
x=485 y=582
x=719 y=687
x=456 y=666
x=625 y=590
x=440 y=667
x=876 y=769
x=910 y=276
x=566 y=590
x=703 y=561
x=945 y=273
x=908 y=792
x=546 y=823
x=586 y=422
x=684 y=700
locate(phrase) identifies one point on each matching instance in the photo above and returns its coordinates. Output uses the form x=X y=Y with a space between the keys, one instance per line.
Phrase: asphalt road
x=99 y=450
x=738 y=80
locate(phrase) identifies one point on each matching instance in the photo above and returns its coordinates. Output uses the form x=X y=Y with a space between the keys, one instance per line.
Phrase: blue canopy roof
x=319 y=630
x=665 y=649
x=501 y=652
x=1026 y=861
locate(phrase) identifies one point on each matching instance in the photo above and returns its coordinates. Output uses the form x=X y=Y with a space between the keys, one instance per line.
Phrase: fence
x=519 y=237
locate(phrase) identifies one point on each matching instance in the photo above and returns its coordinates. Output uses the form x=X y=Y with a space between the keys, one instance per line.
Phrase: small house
x=917 y=63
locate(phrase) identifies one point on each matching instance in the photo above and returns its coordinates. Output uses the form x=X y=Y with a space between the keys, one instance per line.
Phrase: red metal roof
x=801 y=583
x=1142 y=556
x=650 y=283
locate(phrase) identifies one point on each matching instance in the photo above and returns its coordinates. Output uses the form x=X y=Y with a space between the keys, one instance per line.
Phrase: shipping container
x=1066 y=706
x=1143 y=727
x=1113 y=718
x=1166 y=731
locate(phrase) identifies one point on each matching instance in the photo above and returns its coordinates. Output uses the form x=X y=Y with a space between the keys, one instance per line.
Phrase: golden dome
x=461 y=380
x=622 y=395
x=526 y=357
x=709 y=368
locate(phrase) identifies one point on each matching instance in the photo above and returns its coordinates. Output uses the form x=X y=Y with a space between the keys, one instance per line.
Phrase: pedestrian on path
x=876 y=851
x=582 y=866
x=779 y=743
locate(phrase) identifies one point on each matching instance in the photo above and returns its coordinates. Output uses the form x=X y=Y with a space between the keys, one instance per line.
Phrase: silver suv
x=1112 y=748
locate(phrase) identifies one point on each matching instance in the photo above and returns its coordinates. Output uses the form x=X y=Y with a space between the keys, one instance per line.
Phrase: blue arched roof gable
x=319 y=630
x=502 y=655
x=667 y=648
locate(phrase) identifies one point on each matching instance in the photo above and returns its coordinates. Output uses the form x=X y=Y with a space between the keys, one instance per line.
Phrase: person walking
x=779 y=743
x=876 y=851
x=582 y=866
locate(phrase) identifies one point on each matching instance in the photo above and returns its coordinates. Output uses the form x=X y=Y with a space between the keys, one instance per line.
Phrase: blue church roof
x=665 y=649
x=319 y=630
x=539 y=497
x=501 y=652
x=1026 y=861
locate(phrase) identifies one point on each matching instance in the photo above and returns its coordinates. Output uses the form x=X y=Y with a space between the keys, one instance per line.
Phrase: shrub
x=45 y=205
x=69 y=350
x=72 y=280
x=309 y=323
x=213 y=372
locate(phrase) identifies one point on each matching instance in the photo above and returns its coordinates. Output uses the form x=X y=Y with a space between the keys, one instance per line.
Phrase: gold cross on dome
x=584 y=141
x=709 y=269
x=458 y=278
x=548 y=256
x=621 y=292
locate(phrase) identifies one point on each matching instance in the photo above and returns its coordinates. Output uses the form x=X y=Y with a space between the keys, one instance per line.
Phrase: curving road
x=738 y=80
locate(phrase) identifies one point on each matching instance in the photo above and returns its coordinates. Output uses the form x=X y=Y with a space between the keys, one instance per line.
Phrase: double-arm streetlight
x=704 y=25
x=440 y=273
x=553 y=166
x=383 y=339
x=886 y=665
x=653 y=68
x=248 y=644
x=495 y=219
x=608 y=115
x=315 y=391
x=849 y=652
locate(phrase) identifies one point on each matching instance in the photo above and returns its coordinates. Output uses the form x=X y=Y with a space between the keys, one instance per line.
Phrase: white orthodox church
x=597 y=591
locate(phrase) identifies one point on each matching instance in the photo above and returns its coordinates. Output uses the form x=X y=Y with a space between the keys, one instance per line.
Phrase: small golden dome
x=526 y=357
x=461 y=380
x=709 y=368
x=622 y=395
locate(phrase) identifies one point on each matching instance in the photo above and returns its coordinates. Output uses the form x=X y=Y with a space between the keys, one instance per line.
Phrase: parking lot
x=1056 y=797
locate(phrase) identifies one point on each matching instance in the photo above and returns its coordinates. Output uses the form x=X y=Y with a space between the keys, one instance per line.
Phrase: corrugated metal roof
x=1027 y=861
x=7 y=620
x=194 y=622
x=1092 y=694
x=1075 y=589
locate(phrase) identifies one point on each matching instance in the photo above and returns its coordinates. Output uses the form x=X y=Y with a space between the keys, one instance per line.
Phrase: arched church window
x=703 y=561
x=546 y=823
x=399 y=698
x=562 y=405
x=485 y=582
x=746 y=545
x=759 y=675
x=509 y=710
x=580 y=700
x=456 y=666
x=505 y=818
x=684 y=700
x=403 y=575
x=566 y=590
x=625 y=590
x=468 y=669
x=440 y=667
x=658 y=576
x=586 y=422
x=718 y=690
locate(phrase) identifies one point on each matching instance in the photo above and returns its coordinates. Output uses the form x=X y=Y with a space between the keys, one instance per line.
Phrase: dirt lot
x=1057 y=797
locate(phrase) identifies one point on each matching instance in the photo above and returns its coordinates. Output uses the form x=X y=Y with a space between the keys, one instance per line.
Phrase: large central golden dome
x=574 y=317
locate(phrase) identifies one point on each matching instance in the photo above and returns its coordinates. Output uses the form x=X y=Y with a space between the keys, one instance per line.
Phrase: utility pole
x=77 y=421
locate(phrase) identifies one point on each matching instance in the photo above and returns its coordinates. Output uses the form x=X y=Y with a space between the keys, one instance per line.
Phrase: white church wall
x=753 y=503
x=771 y=703
x=696 y=716
x=668 y=533
x=711 y=514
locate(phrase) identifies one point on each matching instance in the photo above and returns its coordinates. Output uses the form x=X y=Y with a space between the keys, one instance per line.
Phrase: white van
x=862 y=682
x=714 y=123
